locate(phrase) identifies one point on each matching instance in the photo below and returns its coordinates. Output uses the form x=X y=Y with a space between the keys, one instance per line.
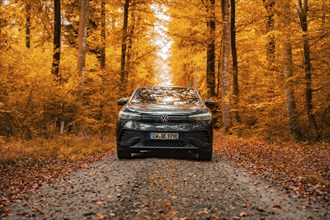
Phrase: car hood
x=165 y=109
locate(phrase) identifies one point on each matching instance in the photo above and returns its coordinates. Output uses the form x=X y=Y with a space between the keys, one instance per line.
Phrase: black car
x=165 y=118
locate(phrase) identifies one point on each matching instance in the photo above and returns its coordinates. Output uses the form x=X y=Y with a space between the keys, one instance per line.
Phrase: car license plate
x=164 y=136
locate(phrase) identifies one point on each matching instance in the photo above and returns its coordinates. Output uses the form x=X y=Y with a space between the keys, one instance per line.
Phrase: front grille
x=183 y=141
x=164 y=144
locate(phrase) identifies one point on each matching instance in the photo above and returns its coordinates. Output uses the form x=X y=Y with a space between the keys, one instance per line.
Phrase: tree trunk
x=103 y=64
x=28 y=25
x=270 y=5
x=226 y=116
x=123 y=70
x=302 y=10
x=103 y=36
x=210 y=66
x=82 y=37
x=57 y=38
x=234 y=60
x=130 y=38
x=289 y=91
x=288 y=72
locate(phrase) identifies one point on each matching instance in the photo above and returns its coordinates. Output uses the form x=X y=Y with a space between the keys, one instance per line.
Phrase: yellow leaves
x=65 y=148
x=2 y=140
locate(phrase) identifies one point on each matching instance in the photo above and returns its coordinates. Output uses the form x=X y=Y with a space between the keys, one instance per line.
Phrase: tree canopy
x=42 y=93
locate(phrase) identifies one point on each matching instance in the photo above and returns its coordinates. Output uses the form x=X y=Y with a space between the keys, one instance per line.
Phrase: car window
x=166 y=96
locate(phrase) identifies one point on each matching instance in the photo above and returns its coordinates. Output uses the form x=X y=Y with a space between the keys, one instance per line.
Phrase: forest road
x=163 y=188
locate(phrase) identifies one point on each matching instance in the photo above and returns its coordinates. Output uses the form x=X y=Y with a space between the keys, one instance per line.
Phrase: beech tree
x=82 y=37
x=28 y=24
x=288 y=72
x=270 y=25
x=123 y=70
x=210 y=52
x=226 y=114
x=103 y=35
x=303 y=11
x=234 y=59
x=57 y=38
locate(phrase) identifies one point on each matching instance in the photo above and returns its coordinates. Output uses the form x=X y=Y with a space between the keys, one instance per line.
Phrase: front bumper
x=135 y=136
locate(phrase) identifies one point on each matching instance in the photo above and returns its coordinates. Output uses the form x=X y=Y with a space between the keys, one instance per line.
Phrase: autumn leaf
x=243 y=214
x=100 y=216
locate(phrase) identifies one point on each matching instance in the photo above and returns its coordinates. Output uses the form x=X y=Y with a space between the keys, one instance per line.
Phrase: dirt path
x=163 y=188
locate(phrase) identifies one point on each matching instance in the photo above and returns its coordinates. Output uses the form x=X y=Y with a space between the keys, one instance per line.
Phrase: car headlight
x=129 y=115
x=201 y=117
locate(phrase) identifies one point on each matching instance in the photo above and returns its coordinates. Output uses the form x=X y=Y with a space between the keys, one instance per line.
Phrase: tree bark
x=288 y=73
x=28 y=25
x=57 y=38
x=210 y=66
x=129 y=64
x=303 y=10
x=226 y=115
x=289 y=91
x=82 y=37
x=103 y=36
x=270 y=6
x=234 y=59
x=123 y=69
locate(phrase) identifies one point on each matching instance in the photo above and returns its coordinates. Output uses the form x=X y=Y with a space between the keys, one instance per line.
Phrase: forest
x=64 y=64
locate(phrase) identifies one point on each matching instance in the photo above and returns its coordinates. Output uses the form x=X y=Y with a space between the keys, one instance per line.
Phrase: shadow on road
x=166 y=155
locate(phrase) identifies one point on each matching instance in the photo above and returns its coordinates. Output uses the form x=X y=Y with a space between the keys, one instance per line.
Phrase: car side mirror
x=210 y=103
x=122 y=101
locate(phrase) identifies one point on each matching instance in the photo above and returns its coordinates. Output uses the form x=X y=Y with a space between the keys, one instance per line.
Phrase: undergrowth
x=62 y=147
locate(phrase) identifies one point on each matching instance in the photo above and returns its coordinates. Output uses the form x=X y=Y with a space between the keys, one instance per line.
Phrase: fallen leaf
x=277 y=206
x=248 y=204
x=100 y=216
x=243 y=214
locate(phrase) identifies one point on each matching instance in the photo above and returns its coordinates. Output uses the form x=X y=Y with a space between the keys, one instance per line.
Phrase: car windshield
x=166 y=96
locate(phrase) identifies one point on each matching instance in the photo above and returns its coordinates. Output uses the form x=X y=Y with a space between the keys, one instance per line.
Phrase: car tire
x=123 y=154
x=205 y=156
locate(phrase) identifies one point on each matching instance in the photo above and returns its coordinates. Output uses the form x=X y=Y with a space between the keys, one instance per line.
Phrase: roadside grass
x=301 y=167
x=63 y=148
x=26 y=165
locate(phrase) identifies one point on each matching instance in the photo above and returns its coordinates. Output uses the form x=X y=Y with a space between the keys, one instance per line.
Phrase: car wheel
x=123 y=154
x=206 y=156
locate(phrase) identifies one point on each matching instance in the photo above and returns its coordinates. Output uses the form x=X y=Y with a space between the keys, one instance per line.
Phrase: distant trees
x=54 y=25
x=272 y=80
x=268 y=70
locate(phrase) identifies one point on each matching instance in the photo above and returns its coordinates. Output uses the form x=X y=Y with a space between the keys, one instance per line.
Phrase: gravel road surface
x=163 y=188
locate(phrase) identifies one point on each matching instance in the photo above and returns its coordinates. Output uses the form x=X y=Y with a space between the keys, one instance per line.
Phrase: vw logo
x=164 y=118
